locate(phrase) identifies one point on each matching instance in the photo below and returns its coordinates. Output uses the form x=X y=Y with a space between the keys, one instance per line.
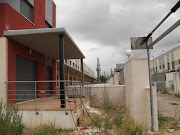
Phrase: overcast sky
x=102 y=28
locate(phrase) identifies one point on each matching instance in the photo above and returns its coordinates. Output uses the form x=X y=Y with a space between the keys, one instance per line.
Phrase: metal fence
x=45 y=95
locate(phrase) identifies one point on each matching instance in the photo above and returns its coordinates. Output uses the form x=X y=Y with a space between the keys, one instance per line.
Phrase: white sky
x=102 y=28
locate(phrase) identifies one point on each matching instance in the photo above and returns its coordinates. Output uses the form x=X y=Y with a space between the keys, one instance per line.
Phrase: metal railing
x=45 y=95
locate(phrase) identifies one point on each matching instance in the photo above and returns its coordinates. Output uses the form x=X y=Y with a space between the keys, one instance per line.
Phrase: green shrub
x=106 y=105
x=10 y=120
x=130 y=127
x=46 y=130
x=177 y=95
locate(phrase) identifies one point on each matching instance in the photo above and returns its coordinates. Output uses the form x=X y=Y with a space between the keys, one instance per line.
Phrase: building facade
x=165 y=63
x=29 y=45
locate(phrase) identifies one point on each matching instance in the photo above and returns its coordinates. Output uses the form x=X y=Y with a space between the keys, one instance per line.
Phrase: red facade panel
x=10 y=19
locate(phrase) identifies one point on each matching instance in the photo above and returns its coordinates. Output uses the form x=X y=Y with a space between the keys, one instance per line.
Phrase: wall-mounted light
x=30 y=51
x=49 y=59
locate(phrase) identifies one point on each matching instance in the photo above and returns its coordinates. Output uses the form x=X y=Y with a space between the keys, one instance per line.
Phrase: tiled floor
x=50 y=103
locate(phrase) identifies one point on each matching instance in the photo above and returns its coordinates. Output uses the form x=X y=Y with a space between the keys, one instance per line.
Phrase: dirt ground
x=169 y=106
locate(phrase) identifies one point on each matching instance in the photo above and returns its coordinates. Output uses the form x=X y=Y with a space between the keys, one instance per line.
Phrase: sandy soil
x=168 y=105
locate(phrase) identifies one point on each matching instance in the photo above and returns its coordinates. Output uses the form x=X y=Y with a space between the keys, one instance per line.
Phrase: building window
x=163 y=66
x=173 y=65
x=26 y=9
x=159 y=67
x=47 y=25
x=168 y=66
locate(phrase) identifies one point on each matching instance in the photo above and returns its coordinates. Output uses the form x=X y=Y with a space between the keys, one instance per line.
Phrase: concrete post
x=137 y=81
x=3 y=69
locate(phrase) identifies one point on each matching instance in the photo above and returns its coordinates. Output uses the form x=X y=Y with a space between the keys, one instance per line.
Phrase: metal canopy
x=46 y=41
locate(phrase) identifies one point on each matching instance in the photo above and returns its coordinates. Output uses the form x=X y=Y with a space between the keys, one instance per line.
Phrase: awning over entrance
x=46 y=41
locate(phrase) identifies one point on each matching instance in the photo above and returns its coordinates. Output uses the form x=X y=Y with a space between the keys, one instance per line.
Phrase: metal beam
x=165 y=33
x=82 y=72
x=61 y=66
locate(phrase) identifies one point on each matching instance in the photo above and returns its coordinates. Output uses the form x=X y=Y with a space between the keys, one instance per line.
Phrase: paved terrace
x=50 y=103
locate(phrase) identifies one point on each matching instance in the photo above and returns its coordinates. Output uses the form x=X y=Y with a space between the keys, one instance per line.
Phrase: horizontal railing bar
x=41 y=81
x=40 y=90
x=46 y=104
x=38 y=99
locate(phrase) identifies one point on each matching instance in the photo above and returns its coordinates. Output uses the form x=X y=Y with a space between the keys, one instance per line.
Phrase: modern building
x=165 y=63
x=31 y=45
x=35 y=58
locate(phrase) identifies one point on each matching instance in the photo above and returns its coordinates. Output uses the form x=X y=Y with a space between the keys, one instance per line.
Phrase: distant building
x=161 y=65
x=117 y=78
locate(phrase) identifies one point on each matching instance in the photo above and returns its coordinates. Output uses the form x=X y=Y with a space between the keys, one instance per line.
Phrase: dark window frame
x=30 y=8
x=168 y=65
x=173 y=65
x=47 y=25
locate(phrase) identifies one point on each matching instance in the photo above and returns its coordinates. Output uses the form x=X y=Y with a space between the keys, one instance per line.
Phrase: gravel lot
x=168 y=105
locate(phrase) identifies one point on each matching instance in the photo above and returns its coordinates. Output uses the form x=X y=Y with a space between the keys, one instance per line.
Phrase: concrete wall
x=137 y=80
x=3 y=68
x=58 y=119
x=116 y=94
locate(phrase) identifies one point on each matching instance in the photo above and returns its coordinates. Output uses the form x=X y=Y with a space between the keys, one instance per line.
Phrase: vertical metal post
x=35 y=96
x=77 y=76
x=75 y=96
x=80 y=94
x=90 y=92
x=67 y=76
x=82 y=72
x=61 y=66
x=7 y=94
x=87 y=91
x=151 y=96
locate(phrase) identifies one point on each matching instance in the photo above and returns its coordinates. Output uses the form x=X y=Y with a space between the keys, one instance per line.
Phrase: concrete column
x=3 y=68
x=82 y=72
x=61 y=66
x=137 y=81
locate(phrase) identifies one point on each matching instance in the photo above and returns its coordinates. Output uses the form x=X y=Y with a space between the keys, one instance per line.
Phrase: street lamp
x=128 y=53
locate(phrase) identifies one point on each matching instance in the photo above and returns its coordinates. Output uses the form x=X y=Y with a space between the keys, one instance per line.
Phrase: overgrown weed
x=10 y=120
